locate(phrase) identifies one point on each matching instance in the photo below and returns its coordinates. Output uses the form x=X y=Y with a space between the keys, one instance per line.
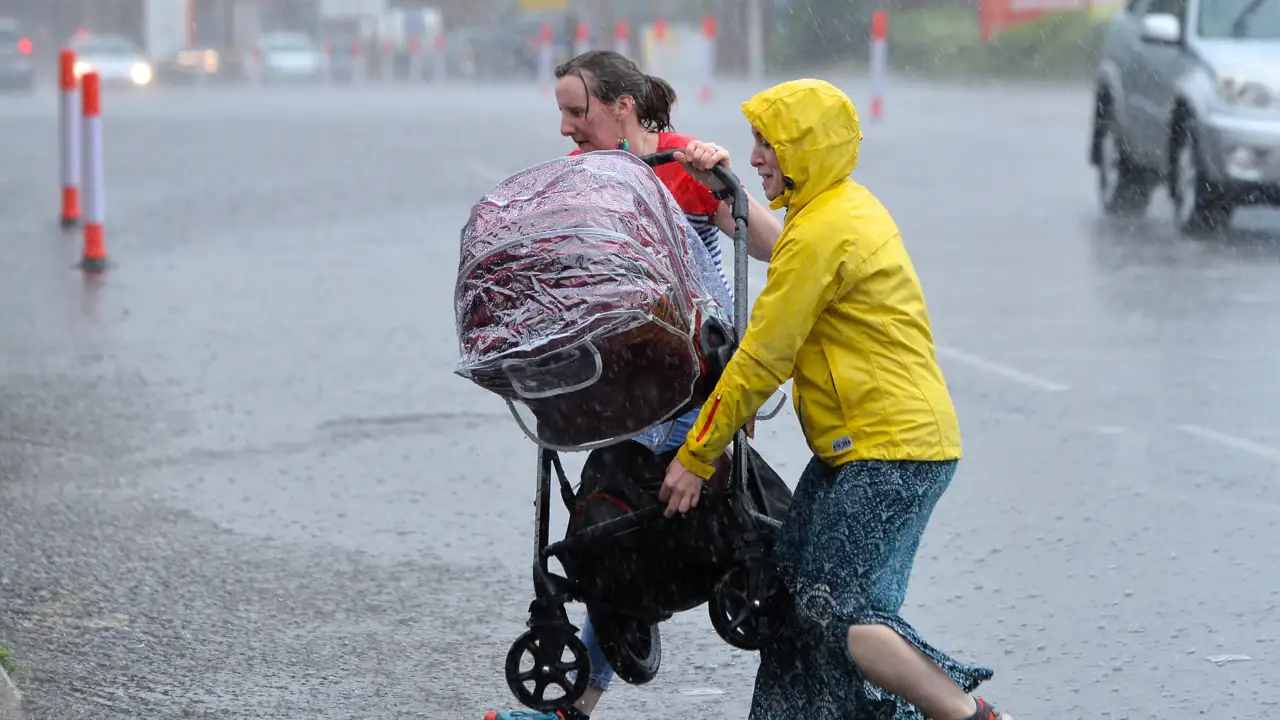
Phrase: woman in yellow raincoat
x=843 y=315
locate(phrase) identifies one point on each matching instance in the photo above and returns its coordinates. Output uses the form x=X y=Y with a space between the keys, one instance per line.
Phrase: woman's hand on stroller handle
x=699 y=160
x=708 y=163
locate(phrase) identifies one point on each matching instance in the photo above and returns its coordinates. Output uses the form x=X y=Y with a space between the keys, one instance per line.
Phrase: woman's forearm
x=763 y=228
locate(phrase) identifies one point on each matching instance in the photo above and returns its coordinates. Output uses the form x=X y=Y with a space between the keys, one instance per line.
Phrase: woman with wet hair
x=607 y=103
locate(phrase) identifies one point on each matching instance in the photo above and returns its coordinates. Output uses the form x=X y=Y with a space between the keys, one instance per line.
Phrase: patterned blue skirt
x=846 y=552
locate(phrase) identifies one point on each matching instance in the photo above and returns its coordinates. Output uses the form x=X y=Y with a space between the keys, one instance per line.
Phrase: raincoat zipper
x=710 y=417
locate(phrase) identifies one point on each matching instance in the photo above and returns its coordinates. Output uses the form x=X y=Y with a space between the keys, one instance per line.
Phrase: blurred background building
x=499 y=38
x=163 y=27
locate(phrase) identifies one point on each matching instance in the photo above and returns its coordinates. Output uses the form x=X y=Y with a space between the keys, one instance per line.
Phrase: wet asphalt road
x=238 y=480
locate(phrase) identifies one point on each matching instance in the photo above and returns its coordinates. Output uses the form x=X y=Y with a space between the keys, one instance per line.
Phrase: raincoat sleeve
x=805 y=273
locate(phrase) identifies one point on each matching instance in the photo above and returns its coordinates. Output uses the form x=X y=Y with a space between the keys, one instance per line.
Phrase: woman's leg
x=849 y=568
x=880 y=652
x=888 y=660
x=601 y=672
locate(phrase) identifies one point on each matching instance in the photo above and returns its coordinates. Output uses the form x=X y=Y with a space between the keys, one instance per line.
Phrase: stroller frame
x=749 y=604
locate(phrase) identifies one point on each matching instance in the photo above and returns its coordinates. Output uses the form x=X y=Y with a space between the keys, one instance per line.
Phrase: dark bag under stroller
x=659 y=569
x=633 y=580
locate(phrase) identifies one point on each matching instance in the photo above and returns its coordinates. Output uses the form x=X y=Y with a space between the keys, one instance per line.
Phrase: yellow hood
x=814 y=128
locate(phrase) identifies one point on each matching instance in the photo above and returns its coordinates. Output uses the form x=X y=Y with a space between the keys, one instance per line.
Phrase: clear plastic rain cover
x=580 y=289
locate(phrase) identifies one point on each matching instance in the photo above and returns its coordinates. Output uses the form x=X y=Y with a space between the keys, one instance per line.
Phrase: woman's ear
x=624 y=104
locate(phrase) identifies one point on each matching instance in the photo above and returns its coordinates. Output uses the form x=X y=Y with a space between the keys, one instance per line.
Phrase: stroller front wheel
x=545 y=646
x=750 y=606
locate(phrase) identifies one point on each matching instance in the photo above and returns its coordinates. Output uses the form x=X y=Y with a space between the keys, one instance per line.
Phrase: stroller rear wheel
x=750 y=606
x=632 y=646
x=546 y=646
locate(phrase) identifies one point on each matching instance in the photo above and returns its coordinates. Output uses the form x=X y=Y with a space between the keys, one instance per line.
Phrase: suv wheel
x=1198 y=205
x=1123 y=188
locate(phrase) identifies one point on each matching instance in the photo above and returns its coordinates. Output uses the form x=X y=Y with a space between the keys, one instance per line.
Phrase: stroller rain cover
x=579 y=293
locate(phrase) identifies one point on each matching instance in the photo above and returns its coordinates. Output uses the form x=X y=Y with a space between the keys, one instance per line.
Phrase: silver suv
x=1188 y=94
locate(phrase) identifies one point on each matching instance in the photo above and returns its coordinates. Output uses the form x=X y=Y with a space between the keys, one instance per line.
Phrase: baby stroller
x=580 y=298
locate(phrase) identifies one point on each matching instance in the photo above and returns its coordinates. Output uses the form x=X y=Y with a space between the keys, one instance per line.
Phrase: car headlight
x=1245 y=93
x=140 y=73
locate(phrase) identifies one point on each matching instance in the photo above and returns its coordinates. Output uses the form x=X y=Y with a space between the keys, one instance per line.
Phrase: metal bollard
x=709 y=56
x=622 y=38
x=69 y=138
x=94 y=259
x=256 y=66
x=659 y=47
x=359 y=63
x=387 y=64
x=441 y=70
x=879 y=61
x=546 y=65
x=415 y=59
x=581 y=38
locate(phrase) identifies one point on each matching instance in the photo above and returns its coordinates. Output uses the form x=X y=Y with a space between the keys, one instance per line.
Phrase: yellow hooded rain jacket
x=842 y=311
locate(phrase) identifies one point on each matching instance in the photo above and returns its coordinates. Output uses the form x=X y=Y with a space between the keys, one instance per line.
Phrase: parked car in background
x=197 y=64
x=1188 y=95
x=116 y=59
x=17 y=72
x=290 y=57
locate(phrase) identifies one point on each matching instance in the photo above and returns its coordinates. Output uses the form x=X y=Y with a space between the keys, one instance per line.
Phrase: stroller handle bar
x=739 y=208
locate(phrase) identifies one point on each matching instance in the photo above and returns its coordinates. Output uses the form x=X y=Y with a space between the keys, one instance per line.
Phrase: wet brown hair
x=610 y=75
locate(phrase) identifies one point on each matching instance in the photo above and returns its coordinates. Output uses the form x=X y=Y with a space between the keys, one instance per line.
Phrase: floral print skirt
x=847 y=551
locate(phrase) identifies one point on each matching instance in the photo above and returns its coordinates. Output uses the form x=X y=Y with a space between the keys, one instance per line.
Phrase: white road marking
x=1129 y=472
x=1230 y=441
x=1002 y=370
